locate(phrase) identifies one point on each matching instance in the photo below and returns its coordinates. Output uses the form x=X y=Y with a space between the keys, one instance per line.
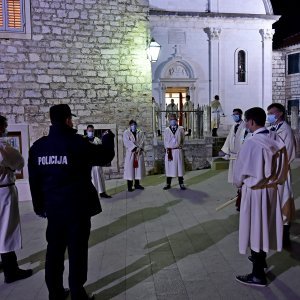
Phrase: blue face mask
x=271 y=119
x=133 y=128
x=236 y=118
x=173 y=122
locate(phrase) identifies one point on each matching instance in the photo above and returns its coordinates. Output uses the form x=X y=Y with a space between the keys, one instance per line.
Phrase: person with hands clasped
x=134 y=165
x=174 y=160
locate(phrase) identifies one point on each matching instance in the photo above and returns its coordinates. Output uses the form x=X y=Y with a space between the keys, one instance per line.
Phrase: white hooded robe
x=174 y=167
x=10 y=229
x=260 y=166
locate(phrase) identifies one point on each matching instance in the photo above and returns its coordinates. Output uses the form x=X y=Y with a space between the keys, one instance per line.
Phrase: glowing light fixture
x=153 y=50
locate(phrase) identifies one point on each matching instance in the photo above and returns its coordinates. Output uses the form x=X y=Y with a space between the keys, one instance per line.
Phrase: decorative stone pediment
x=177 y=70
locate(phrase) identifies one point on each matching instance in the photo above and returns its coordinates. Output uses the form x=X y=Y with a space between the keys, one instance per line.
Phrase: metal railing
x=196 y=122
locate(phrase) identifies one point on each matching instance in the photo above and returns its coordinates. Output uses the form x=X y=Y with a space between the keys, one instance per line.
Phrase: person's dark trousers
x=180 y=180
x=9 y=263
x=214 y=132
x=169 y=180
x=73 y=234
x=286 y=235
x=129 y=185
x=259 y=262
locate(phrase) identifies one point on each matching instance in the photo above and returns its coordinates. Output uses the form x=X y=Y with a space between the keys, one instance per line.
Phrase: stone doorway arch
x=177 y=74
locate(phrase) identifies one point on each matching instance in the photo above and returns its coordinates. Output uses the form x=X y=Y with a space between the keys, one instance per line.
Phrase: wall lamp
x=153 y=50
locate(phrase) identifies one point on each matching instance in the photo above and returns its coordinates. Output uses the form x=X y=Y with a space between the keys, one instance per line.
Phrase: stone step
x=219 y=164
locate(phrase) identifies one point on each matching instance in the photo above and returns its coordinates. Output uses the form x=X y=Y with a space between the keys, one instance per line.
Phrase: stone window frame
x=237 y=67
x=25 y=32
x=288 y=63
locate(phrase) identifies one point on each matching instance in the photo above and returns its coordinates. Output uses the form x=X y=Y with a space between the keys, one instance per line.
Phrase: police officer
x=62 y=191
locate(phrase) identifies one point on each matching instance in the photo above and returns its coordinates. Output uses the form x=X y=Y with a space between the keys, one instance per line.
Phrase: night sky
x=289 y=23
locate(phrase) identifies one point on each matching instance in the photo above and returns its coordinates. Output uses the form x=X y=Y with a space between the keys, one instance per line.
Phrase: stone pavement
x=156 y=244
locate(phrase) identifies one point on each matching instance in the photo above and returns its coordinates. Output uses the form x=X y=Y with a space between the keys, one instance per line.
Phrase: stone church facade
x=213 y=48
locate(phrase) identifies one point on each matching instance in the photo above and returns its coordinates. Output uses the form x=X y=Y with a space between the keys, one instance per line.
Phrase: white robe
x=171 y=110
x=10 y=229
x=98 y=178
x=216 y=111
x=130 y=142
x=175 y=167
x=232 y=146
x=288 y=205
x=260 y=166
x=188 y=115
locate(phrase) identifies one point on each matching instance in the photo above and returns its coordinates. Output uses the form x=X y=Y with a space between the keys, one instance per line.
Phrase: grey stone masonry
x=279 y=78
x=197 y=154
x=90 y=54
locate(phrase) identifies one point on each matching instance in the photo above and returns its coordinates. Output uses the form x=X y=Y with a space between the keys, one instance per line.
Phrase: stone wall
x=285 y=87
x=87 y=53
x=278 y=77
x=197 y=155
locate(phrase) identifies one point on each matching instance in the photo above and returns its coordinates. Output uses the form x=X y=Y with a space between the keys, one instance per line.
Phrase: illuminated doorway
x=179 y=96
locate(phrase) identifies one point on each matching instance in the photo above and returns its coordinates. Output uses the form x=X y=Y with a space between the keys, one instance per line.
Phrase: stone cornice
x=153 y=12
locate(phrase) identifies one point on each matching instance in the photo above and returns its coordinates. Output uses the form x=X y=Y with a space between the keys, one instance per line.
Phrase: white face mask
x=90 y=134
x=133 y=128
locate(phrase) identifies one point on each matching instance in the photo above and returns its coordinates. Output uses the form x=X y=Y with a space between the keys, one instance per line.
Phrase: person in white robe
x=174 y=160
x=276 y=119
x=261 y=165
x=216 y=112
x=98 y=178
x=232 y=145
x=188 y=115
x=10 y=228
x=171 y=109
x=134 y=165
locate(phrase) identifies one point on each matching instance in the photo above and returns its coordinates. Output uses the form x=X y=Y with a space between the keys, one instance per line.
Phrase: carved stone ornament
x=177 y=70
x=267 y=34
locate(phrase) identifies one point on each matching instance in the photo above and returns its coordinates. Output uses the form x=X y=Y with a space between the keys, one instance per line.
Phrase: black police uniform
x=61 y=188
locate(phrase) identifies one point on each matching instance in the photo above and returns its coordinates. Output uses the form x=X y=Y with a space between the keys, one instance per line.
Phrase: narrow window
x=294 y=63
x=241 y=66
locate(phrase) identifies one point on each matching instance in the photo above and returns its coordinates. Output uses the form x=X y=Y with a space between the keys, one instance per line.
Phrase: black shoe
x=182 y=187
x=18 y=275
x=167 y=187
x=139 y=187
x=251 y=259
x=104 y=195
x=250 y=279
x=130 y=189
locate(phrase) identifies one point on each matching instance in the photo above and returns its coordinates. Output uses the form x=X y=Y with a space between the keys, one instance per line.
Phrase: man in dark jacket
x=62 y=191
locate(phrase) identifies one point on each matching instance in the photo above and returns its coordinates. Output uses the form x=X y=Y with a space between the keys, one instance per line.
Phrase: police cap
x=60 y=112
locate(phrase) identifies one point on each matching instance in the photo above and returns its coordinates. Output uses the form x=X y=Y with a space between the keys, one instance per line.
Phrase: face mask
x=271 y=119
x=236 y=118
x=133 y=128
x=173 y=122
x=90 y=134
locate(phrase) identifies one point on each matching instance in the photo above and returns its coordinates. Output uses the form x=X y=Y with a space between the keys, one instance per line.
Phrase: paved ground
x=156 y=244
